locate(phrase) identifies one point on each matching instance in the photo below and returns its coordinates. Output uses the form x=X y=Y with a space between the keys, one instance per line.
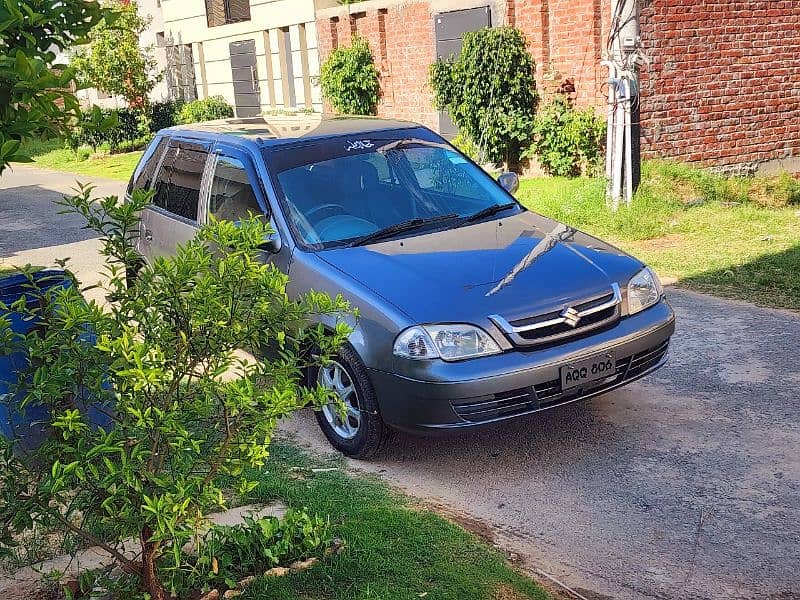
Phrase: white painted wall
x=185 y=22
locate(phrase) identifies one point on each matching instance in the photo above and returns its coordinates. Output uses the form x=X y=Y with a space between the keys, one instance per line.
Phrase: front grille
x=571 y=322
x=554 y=333
x=549 y=394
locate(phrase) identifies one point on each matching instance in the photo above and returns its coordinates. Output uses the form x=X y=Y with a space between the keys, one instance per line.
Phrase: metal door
x=450 y=29
x=246 y=91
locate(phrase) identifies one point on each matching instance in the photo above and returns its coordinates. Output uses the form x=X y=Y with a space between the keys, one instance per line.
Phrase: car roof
x=273 y=131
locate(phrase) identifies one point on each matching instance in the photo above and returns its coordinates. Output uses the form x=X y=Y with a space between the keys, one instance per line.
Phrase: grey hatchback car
x=473 y=309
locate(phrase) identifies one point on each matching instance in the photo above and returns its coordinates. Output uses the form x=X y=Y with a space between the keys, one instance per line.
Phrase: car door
x=235 y=192
x=174 y=216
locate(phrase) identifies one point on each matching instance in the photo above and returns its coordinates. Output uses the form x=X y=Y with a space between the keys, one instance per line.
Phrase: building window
x=222 y=12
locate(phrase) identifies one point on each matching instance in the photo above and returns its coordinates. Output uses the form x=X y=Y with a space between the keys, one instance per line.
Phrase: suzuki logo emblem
x=571 y=316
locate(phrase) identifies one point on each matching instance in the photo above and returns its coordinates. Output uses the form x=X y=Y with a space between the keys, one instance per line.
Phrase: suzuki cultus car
x=473 y=309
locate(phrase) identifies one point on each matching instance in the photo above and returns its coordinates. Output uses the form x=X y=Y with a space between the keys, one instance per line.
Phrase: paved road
x=684 y=485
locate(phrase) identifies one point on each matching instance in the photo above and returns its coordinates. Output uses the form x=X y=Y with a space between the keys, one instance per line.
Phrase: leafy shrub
x=467 y=147
x=254 y=546
x=185 y=411
x=114 y=127
x=349 y=79
x=164 y=114
x=489 y=91
x=207 y=109
x=566 y=140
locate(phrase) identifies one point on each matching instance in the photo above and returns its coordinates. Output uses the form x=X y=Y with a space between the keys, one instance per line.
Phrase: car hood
x=514 y=267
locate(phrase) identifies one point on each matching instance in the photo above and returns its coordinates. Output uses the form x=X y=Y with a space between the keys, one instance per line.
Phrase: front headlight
x=644 y=290
x=448 y=342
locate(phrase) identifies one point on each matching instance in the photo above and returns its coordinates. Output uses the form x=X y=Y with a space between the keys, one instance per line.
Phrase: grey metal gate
x=246 y=90
x=450 y=29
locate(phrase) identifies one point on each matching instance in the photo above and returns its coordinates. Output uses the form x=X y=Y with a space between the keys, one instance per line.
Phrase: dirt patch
x=670 y=241
x=462 y=519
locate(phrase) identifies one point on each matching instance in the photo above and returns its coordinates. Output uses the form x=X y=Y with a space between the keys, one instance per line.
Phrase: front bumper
x=519 y=382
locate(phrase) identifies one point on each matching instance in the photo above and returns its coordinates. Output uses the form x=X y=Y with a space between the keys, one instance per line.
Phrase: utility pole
x=623 y=155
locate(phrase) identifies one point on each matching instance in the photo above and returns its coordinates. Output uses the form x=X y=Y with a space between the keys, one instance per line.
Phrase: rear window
x=177 y=187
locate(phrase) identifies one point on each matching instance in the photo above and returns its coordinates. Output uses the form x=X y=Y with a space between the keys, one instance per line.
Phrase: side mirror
x=509 y=182
x=272 y=243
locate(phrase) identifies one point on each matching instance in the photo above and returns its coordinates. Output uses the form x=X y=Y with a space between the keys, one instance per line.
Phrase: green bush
x=208 y=109
x=164 y=114
x=115 y=128
x=467 y=147
x=566 y=140
x=161 y=356
x=349 y=79
x=489 y=91
x=253 y=547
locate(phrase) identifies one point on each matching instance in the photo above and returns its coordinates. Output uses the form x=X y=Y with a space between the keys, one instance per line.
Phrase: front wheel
x=359 y=431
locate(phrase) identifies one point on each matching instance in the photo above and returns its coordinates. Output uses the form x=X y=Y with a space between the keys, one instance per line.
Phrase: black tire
x=373 y=434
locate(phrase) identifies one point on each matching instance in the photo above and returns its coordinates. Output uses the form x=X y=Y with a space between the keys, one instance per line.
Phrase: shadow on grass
x=769 y=280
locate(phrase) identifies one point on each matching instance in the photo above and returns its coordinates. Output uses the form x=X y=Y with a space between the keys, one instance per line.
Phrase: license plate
x=587 y=370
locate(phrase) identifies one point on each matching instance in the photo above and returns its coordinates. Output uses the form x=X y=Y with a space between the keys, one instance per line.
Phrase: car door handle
x=148 y=235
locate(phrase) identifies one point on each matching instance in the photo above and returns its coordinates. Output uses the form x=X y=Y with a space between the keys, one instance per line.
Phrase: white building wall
x=185 y=22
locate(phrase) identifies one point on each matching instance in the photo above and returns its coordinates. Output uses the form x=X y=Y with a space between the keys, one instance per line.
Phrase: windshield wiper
x=401 y=227
x=402 y=143
x=489 y=211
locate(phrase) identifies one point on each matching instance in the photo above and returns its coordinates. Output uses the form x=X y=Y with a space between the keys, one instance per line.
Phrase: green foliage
x=256 y=545
x=34 y=91
x=467 y=147
x=194 y=363
x=489 y=91
x=117 y=128
x=208 y=109
x=566 y=140
x=114 y=62
x=349 y=79
x=164 y=114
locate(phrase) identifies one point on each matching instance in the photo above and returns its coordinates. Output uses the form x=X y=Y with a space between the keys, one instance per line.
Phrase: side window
x=184 y=183
x=143 y=176
x=177 y=186
x=232 y=196
x=161 y=184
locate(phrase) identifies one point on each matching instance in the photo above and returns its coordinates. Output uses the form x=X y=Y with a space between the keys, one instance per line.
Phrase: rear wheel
x=359 y=431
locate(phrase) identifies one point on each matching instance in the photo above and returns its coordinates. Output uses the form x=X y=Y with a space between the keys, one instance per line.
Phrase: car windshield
x=343 y=192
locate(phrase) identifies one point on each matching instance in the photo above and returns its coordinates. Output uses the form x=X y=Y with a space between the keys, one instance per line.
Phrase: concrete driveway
x=684 y=485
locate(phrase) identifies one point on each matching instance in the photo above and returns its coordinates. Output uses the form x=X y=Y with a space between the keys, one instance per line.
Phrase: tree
x=489 y=91
x=115 y=62
x=182 y=409
x=349 y=79
x=34 y=90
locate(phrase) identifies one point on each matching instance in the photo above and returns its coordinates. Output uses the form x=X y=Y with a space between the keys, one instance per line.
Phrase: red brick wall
x=565 y=39
x=403 y=44
x=724 y=85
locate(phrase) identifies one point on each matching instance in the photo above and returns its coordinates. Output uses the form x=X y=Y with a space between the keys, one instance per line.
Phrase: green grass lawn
x=394 y=549
x=741 y=240
x=52 y=155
